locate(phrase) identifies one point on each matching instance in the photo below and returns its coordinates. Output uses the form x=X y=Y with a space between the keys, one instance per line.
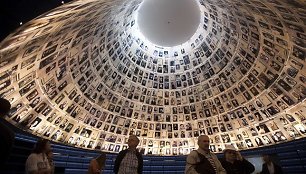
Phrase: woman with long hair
x=37 y=162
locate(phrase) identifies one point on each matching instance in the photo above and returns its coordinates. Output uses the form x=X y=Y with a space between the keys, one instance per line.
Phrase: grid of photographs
x=81 y=75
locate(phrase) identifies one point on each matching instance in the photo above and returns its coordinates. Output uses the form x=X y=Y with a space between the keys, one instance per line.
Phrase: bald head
x=203 y=136
x=203 y=142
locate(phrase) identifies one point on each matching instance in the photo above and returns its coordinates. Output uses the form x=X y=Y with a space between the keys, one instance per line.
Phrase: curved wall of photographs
x=83 y=75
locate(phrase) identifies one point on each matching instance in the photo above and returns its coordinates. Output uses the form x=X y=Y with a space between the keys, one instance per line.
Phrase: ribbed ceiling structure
x=85 y=75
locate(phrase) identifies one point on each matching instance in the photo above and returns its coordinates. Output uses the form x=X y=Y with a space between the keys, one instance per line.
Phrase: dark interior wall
x=12 y=12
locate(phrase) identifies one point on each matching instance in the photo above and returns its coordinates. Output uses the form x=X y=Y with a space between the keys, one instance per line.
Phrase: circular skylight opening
x=168 y=22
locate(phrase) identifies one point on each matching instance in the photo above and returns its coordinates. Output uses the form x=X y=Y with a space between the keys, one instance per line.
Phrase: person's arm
x=52 y=168
x=263 y=169
x=140 y=163
x=94 y=167
x=249 y=167
x=278 y=169
x=220 y=169
x=190 y=163
x=118 y=161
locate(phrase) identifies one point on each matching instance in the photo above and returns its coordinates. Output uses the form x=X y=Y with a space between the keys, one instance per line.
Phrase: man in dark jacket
x=129 y=161
x=234 y=163
x=269 y=167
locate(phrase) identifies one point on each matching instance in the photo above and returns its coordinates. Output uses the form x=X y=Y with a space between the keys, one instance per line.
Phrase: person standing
x=37 y=162
x=269 y=167
x=202 y=161
x=129 y=161
x=7 y=135
x=97 y=165
x=234 y=163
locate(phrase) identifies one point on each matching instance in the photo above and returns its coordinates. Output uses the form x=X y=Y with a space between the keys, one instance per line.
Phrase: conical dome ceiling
x=86 y=74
